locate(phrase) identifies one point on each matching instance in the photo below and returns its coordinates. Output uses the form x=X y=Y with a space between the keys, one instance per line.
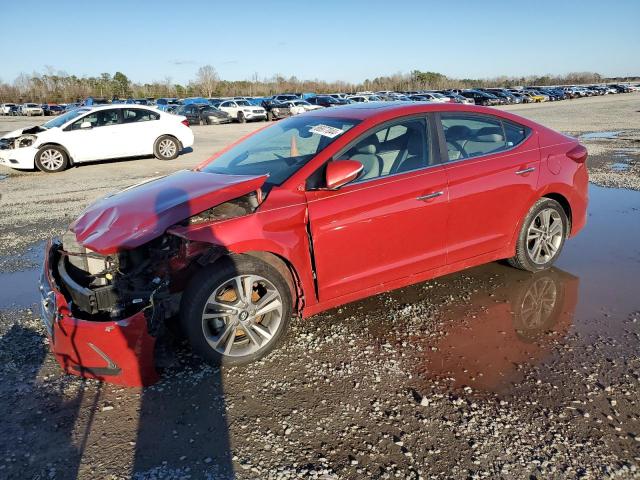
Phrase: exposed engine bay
x=110 y=287
x=149 y=277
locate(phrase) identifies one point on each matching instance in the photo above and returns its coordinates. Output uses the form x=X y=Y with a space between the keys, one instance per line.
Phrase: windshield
x=282 y=149
x=62 y=119
x=243 y=103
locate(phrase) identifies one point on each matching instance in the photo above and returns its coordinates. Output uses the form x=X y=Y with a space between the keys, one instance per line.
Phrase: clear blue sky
x=328 y=40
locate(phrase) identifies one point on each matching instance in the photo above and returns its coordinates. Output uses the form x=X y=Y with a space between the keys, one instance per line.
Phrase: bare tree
x=207 y=79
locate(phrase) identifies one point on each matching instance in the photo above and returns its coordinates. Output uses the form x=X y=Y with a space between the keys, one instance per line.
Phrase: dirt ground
x=487 y=373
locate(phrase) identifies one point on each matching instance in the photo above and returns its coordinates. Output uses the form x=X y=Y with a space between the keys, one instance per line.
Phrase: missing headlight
x=237 y=207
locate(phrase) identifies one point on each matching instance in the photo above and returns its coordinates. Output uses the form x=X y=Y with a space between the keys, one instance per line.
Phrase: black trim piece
x=312 y=256
x=442 y=143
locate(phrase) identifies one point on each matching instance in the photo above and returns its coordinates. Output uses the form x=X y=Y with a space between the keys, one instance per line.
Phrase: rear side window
x=130 y=115
x=515 y=133
x=469 y=136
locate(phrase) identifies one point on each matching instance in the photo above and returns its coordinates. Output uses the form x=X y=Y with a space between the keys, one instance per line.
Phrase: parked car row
x=35 y=109
x=208 y=111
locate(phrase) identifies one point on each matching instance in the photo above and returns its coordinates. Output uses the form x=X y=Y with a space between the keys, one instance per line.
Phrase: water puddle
x=486 y=327
x=619 y=167
x=19 y=289
x=599 y=135
x=3 y=177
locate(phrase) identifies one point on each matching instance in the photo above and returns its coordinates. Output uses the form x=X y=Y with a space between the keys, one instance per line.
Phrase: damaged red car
x=307 y=214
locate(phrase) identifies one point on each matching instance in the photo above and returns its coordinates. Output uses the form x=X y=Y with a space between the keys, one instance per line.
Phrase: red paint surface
x=139 y=214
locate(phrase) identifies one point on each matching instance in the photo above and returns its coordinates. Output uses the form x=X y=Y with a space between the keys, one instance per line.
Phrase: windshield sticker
x=326 y=131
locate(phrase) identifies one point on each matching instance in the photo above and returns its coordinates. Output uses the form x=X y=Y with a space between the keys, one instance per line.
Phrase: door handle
x=429 y=196
x=526 y=170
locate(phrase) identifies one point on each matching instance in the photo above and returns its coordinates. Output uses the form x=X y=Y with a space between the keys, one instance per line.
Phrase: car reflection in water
x=486 y=343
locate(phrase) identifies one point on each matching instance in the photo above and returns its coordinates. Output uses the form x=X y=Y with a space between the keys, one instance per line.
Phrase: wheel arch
x=284 y=267
x=564 y=203
x=59 y=145
x=552 y=195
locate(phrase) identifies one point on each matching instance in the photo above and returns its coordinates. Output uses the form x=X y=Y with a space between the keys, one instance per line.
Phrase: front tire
x=236 y=311
x=166 y=148
x=241 y=118
x=541 y=237
x=51 y=159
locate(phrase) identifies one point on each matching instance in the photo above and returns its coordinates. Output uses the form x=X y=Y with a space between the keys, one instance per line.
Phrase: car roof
x=390 y=110
x=119 y=105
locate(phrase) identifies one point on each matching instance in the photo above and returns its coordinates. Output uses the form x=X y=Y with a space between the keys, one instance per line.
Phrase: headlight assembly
x=24 y=141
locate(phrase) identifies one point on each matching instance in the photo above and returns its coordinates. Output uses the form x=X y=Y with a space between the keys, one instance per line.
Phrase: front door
x=97 y=142
x=389 y=223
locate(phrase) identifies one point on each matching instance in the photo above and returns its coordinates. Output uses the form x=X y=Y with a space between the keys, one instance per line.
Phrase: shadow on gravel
x=182 y=424
x=37 y=432
x=182 y=427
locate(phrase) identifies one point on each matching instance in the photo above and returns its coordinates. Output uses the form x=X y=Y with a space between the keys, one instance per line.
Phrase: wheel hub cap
x=544 y=236
x=242 y=315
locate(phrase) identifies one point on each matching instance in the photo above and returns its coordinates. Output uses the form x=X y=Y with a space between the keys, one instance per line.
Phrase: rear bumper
x=186 y=137
x=580 y=201
x=119 y=352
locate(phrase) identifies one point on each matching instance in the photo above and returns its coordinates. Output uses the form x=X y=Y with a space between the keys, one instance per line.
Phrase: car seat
x=372 y=163
x=413 y=156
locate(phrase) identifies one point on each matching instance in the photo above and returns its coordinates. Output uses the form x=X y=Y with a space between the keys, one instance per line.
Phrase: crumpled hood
x=143 y=212
x=24 y=131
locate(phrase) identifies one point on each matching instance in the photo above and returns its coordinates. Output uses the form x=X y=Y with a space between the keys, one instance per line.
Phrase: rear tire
x=166 y=148
x=220 y=315
x=542 y=236
x=51 y=159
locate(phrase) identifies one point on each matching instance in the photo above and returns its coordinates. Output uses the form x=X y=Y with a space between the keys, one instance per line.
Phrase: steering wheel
x=459 y=148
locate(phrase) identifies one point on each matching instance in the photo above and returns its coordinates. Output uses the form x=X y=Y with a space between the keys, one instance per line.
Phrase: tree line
x=60 y=87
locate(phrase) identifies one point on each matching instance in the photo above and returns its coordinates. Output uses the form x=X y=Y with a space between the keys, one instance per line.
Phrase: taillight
x=578 y=153
x=185 y=122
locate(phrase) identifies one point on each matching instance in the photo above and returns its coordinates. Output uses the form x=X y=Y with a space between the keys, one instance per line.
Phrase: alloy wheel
x=167 y=148
x=544 y=236
x=242 y=315
x=51 y=159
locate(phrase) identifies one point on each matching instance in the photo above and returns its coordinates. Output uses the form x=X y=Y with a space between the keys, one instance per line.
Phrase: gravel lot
x=453 y=378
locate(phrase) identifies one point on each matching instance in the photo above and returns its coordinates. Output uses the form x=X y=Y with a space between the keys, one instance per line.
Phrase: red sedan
x=309 y=213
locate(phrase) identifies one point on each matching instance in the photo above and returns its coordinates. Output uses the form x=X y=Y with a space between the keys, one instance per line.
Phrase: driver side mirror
x=85 y=125
x=341 y=172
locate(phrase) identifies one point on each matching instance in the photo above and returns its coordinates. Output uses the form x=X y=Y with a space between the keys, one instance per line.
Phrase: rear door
x=388 y=224
x=138 y=132
x=492 y=169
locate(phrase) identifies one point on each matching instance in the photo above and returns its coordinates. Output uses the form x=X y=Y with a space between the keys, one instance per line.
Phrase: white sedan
x=96 y=133
x=301 y=106
x=242 y=110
